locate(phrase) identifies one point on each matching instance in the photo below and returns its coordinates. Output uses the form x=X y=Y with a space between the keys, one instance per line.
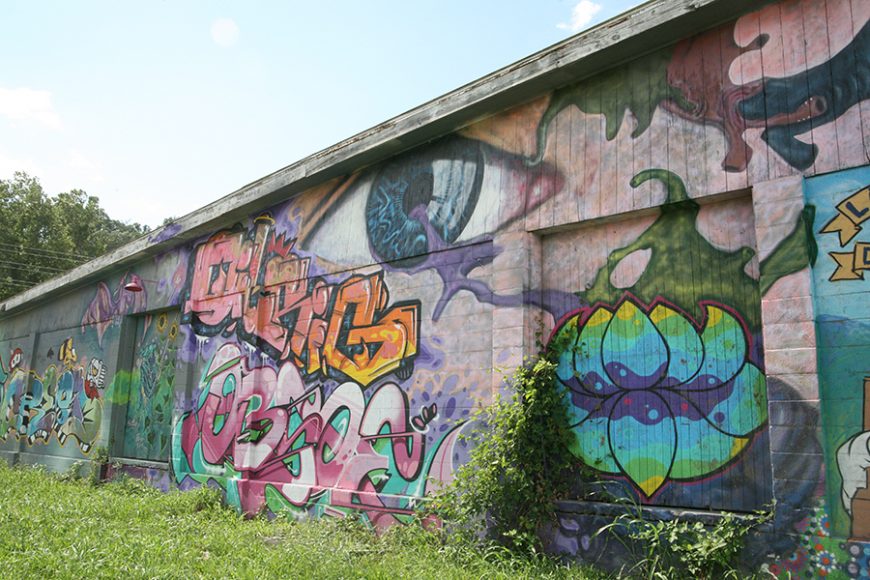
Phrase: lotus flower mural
x=657 y=396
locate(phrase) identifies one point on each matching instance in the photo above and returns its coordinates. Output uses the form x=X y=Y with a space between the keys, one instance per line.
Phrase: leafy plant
x=518 y=465
x=73 y=472
x=99 y=465
x=100 y=454
x=674 y=549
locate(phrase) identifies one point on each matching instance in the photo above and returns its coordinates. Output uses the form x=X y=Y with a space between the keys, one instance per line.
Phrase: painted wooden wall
x=666 y=223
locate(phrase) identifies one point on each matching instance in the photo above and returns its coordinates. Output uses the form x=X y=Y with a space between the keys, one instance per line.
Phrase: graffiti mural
x=15 y=379
x=793 y=105
x=268 y=439
x=669 y=390
x=709 y=79
x=64 y=403
x=252 y=284
x=851 y=213
x=108 y=306
x=150 y=403
x=843 y=335
x=685 y=228
x=672 y=398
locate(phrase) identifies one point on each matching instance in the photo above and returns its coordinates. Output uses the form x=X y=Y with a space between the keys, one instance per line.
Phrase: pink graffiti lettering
x=341 y=448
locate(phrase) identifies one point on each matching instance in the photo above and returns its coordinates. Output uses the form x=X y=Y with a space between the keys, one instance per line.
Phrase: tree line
x=43 y=236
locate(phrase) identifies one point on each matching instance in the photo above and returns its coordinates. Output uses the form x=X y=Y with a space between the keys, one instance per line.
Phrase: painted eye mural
x=443 y=195
x=422 y=201
x=449 y=195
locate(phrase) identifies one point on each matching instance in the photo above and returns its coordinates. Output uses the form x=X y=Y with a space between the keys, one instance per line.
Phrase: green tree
x=42 y=236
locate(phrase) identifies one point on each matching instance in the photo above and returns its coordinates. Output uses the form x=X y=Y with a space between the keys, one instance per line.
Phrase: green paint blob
x=683 y=265
x=637 y=87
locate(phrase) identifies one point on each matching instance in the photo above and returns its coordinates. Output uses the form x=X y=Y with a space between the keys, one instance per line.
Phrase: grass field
x=51 y=527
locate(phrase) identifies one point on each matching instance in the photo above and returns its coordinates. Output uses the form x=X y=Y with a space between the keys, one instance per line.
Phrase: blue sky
x=159 y=108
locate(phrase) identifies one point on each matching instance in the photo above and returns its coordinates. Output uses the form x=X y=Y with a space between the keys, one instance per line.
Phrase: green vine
x=676 y=549
x=519 y=464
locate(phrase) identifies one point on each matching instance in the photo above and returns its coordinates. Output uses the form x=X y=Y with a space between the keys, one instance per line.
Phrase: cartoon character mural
x=843 y=336
x=63 y=403
x=853 y=461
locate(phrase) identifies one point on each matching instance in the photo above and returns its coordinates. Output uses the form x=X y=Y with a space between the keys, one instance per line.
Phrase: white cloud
x=224 y=32
x=84 y=167
x=582 y=14
x=23 y=104
x=9 y=165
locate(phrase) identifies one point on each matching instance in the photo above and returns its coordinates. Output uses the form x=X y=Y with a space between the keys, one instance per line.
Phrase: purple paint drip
x=165 y=233
x=454 y=264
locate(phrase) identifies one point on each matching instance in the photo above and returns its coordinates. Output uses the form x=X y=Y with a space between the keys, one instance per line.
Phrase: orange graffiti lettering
x=250 y=283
